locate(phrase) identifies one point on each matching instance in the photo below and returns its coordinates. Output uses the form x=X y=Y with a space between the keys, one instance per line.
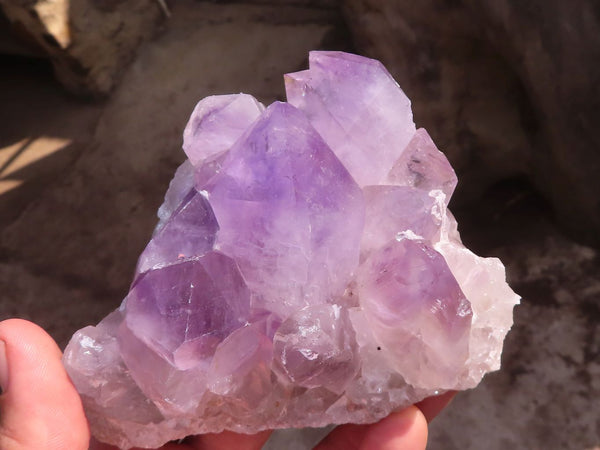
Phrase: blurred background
x=94 y=95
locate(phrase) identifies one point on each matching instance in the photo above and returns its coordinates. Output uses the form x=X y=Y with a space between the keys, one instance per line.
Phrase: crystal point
x=305 y=271
x=189 y=231
x=415 y=306
x=423 y=166
x=358 y=108
x=289 y=187
x=216 y=123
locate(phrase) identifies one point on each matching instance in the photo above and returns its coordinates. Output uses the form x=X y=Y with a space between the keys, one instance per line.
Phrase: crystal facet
x=305 y=271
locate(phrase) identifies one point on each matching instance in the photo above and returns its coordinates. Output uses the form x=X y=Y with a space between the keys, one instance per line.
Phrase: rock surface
x=506 y=88
x=88 y=42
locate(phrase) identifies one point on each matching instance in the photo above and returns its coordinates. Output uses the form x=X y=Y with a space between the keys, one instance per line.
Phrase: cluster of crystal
x=305 y=271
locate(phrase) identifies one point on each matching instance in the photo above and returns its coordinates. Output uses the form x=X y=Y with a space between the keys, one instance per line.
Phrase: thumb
x=39 y=407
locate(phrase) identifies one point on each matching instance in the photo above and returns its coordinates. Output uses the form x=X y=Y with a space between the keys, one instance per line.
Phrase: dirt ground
x=80 y=184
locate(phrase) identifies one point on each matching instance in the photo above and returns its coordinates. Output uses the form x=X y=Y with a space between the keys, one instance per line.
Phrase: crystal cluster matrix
x=305 y=271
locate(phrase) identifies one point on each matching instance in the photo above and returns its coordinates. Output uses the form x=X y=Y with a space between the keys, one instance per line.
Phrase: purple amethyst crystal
x=305 y=271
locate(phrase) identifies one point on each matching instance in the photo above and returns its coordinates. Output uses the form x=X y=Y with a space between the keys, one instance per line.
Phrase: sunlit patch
x=55 y=18
x=22 y=153
x=7 y=185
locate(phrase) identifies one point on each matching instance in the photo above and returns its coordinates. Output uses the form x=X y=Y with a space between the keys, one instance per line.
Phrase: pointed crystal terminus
x=305 y=271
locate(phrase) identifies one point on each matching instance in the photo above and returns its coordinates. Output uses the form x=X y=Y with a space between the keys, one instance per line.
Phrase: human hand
x=40 y=409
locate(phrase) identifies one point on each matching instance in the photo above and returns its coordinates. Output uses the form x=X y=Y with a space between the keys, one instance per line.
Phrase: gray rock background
x=506 y=87
x=509 y=90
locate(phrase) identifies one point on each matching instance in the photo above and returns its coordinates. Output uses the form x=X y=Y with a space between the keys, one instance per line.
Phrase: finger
x=220 y=441
x=227 y=440
x=431 y=406
x=39 y=407
x=97 y=445
x=402 y=430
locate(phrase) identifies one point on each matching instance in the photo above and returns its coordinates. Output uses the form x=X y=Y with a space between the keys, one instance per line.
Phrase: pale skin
x=40 y=409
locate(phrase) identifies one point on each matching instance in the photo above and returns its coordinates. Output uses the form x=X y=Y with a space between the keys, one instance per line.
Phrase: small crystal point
x=397 y=209
x=216 y=123
x=182 y=311
x=416 y=307
x=190 y=231
x=316 y=348
x=305 y=271
x=423 y=166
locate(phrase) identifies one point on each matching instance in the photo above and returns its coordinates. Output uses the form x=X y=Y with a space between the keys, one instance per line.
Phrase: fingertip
x=230 y=440
x=401 y=430
x=39 y=406
x=24 y=327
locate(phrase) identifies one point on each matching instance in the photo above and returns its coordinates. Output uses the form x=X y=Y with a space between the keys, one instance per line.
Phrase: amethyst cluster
x=305 y=271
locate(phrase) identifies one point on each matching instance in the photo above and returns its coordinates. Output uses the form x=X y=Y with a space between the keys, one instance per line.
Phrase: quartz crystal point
x=305 y=271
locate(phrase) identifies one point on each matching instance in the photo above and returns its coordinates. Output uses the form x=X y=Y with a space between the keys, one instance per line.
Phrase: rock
x=89 y=42
x=554 y=49
x=505 y=88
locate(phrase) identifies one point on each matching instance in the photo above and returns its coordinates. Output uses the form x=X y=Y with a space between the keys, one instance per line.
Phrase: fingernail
x=3 y=368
